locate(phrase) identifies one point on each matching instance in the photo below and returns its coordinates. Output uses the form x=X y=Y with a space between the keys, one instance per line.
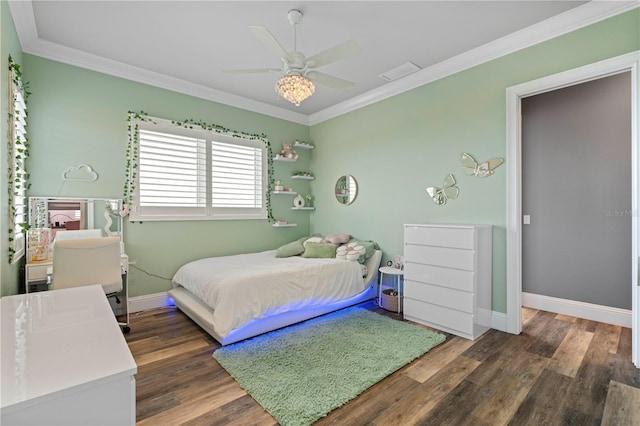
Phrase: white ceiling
x=185 y=45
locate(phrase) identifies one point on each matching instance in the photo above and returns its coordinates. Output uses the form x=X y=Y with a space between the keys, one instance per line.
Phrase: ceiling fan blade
x=331 y=81
x=269 y=41
x=335 y=53
x=252 y=71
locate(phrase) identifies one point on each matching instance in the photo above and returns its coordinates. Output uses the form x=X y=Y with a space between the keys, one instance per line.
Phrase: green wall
x=9 y=45
x=398 y=147
x=78 y=116
x=395 y=149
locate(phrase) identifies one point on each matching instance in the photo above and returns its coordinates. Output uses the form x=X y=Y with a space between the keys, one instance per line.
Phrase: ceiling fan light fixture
x=295 y=88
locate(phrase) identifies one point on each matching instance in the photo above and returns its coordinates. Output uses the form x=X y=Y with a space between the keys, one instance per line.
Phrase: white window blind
x=193 y=174
x=236 y=177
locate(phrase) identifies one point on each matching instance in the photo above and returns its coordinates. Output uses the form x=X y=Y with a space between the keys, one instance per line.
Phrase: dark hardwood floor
x=560 y=371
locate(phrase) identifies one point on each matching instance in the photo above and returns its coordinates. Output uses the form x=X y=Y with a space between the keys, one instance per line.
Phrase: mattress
x=242 y=288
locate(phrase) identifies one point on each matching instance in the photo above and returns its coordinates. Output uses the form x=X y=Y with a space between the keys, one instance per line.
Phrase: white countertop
x=58 y=341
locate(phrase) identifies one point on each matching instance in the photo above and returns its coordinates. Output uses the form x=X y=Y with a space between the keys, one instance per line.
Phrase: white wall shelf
x=305 y=176
x=302 y=145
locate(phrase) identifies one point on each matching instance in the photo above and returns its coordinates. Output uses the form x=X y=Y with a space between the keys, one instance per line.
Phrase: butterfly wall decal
x=448 y=191
x=470 y=167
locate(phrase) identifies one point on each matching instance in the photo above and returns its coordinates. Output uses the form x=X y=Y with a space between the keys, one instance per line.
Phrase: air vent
x=400 y=71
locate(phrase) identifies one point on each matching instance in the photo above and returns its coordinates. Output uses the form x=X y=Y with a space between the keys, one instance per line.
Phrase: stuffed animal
x=287 y=152
x=351 y=251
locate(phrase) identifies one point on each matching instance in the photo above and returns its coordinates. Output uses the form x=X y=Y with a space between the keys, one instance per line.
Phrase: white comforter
x=243 y=287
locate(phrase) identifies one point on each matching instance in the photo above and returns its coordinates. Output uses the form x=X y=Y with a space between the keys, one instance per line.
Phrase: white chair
x=88 y=261
x=77 y=234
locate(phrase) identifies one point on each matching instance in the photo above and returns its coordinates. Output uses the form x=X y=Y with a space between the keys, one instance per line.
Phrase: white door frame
x=629 y=62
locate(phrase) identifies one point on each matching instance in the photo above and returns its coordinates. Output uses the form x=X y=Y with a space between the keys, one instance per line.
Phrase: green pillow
x=293 y=248
x=319 y=250
x=370 y=248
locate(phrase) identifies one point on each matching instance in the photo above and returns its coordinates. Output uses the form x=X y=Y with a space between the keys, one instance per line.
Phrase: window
x=195 y=174
x=17 y=154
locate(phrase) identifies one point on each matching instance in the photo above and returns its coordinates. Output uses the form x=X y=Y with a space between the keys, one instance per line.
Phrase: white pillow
x=312 y=240
x=351 y=251
x=338 y=238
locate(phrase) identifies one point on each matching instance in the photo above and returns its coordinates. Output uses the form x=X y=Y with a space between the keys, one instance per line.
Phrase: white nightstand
x=397 y=288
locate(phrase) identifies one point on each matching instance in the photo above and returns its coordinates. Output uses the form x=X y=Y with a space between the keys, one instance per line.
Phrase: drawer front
x=462 y=238
x=38 y=272
x=441 y=296
x=439 y=256
x=445 y=277
x=438 y=315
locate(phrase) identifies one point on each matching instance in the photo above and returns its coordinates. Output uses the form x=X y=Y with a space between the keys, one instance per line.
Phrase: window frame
x=17 y=154
x=210 y=134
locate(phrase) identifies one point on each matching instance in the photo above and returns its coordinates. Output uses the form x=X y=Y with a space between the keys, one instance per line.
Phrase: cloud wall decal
x=81 y=172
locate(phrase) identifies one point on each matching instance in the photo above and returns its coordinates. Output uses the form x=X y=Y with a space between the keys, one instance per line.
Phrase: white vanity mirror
x=56 y=217
x=346 y=189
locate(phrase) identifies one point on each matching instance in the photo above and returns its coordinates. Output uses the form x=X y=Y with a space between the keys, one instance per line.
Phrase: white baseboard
x=499 y=321
x=162 y=300
x=600 y=313
x=149 y=301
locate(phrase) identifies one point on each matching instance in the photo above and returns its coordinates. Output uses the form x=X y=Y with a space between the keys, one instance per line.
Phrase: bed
x=240 y=296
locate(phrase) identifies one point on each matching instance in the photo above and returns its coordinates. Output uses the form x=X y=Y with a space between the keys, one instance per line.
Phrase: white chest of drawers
x=447 y=277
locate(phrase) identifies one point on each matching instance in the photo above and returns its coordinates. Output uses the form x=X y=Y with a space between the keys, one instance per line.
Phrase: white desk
x=64 y=360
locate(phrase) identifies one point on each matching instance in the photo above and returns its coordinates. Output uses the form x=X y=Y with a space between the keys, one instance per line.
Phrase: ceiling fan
x=299 y=71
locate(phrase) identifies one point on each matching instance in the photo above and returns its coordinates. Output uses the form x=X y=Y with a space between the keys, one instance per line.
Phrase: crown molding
x=24 y=20
x=558 y=25
x=92 y=62
x=589 y=13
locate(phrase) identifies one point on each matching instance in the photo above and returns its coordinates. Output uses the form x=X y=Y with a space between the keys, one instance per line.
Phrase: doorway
x=576 y=197
x=623 y=64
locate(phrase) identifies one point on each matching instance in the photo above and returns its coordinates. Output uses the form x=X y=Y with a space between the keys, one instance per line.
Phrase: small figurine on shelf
x=302 y=144
x=298 y=201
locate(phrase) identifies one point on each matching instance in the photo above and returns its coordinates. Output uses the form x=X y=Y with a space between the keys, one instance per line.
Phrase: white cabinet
x=447 y=277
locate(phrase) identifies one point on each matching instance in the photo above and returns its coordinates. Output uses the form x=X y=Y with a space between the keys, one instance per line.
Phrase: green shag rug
x=302 y=372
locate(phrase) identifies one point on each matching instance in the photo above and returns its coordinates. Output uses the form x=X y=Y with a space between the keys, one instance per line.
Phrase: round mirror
x=346 y=189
